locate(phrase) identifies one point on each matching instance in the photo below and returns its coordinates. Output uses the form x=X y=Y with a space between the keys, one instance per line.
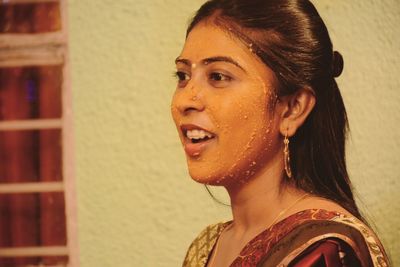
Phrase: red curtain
x=30 y=18
x=50 y=164
x=19 y=212
x=31 y=155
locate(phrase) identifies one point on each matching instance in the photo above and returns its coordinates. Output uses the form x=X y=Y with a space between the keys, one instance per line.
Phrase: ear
x=296 y=108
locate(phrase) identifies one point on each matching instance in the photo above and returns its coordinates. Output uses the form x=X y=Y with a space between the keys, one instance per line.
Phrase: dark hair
x=290 y=37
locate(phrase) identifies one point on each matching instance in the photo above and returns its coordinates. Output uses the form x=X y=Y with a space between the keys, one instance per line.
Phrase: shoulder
x=312 y=233
x=203 y=244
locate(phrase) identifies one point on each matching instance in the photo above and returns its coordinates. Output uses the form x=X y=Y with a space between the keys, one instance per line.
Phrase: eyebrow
x=210 y=60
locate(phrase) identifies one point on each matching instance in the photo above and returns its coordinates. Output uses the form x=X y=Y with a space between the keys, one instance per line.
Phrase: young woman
x=259 y=112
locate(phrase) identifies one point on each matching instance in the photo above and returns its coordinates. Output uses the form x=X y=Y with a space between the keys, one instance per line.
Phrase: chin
x=202 y=178
x=209 y=176
x=220 y=173
x=206 y=177
x=222 y=176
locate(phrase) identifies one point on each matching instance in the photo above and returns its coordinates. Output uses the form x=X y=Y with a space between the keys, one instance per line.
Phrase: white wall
x=137 y=206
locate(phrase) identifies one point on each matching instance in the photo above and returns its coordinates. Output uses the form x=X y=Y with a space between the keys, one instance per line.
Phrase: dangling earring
x=286 y=155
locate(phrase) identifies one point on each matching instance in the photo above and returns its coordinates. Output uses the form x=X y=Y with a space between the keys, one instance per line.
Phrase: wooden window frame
x=45 y=49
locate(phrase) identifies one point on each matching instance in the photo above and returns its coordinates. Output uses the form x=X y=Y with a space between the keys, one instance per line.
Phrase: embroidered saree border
x=349 y=229
x=287 y=260
x=264 y=244
x=376 y=250
x=198 y=252
x=303 y=236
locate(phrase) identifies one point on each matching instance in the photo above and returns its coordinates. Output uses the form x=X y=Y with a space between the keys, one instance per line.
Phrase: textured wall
x=137 y=205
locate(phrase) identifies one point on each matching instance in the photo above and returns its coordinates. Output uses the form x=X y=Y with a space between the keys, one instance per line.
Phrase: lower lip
x=195 y=149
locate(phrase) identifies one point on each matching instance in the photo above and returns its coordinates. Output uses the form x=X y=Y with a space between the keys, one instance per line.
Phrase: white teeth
x=198 y=134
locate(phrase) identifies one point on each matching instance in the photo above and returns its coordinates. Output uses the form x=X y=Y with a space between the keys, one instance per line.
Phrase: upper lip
x=187 y=127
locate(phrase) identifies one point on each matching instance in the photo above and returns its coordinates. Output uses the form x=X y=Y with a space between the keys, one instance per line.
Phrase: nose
x=188 y=100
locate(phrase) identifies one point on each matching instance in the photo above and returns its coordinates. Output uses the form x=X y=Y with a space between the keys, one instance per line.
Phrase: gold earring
x=286 y=156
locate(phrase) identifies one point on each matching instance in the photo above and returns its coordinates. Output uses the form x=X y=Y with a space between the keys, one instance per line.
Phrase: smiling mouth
x=197 y=136
x=196 y=139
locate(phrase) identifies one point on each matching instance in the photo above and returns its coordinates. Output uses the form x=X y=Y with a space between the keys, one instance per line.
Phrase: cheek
x=247 y=113
x=174 y=108
x=251 y=125
x=241 y=119
x=247 y=133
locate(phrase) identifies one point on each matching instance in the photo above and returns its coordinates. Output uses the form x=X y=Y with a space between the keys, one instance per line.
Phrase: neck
x=257 y=203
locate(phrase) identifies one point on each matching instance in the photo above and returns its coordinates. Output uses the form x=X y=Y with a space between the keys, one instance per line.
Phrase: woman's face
x=222 y=107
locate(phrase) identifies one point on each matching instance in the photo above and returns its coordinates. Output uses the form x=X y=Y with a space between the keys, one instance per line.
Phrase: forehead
x=207 y=40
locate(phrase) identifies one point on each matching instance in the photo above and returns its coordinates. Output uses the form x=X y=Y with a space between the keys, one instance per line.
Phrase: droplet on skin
x=243 y=153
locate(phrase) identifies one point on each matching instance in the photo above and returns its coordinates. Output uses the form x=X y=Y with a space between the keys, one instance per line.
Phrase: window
x=37 y=197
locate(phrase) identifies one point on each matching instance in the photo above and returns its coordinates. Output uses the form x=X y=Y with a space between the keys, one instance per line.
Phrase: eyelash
x=215 y=77
x=180 y=75
x=221 y=77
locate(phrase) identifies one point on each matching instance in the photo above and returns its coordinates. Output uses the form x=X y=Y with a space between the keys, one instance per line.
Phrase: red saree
x=312 y=237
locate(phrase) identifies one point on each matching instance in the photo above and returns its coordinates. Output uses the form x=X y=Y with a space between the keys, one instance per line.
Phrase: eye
x=219 y=77
x=182 y=78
